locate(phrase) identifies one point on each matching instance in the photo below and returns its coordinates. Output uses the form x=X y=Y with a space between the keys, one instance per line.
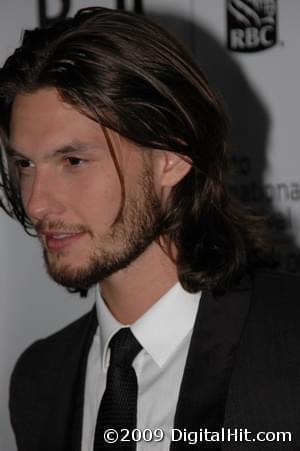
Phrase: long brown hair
x=131 y=76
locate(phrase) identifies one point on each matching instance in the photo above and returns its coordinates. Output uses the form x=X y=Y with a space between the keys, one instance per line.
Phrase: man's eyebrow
x=64 y=150
x=11 y=152
x=74 y=147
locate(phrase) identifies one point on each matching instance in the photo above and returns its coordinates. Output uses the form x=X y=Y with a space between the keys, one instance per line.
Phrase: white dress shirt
x=164 y=332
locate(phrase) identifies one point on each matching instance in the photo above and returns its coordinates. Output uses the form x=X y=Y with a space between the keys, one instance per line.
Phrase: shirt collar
x=108 y=326
x=172 y=317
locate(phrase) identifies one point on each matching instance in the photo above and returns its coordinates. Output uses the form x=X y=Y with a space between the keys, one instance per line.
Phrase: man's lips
x=60 y=240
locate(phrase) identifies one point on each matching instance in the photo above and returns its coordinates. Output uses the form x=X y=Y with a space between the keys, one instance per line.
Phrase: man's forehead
x=42 y=123
x=42 y=120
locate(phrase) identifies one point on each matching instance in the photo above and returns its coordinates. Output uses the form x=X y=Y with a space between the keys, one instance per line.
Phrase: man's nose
x=43 y=199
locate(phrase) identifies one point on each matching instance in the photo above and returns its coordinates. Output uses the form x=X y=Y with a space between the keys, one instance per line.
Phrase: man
x=114 y=152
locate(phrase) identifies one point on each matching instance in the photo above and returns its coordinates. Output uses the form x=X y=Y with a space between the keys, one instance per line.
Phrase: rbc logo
x=251 y=25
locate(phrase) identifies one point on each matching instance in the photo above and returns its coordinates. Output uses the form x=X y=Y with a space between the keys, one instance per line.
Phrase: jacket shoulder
x=278 y=277
x=277 y=291
x=41 y=362
x=274 y=309
x=46 y=352
x=37 y=372
x=55 y=344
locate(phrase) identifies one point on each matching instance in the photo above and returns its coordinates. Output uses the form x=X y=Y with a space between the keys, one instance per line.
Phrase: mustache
x=60 y=226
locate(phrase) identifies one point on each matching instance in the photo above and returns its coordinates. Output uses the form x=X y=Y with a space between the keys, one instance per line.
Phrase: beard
x=135 y=228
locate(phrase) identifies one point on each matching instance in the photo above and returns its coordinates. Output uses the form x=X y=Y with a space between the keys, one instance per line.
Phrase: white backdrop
x=261 y=90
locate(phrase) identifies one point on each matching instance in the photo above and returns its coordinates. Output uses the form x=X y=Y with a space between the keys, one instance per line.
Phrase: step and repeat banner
x=249 y=50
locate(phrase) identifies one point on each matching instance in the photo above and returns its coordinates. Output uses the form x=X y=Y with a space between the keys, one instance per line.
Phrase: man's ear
x=170 y=167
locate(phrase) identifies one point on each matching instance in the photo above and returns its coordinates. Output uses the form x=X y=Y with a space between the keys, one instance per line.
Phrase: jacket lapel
x=80 y=385
x=217 y=331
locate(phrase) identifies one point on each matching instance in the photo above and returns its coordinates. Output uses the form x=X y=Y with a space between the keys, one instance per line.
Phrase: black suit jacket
x=242 y=371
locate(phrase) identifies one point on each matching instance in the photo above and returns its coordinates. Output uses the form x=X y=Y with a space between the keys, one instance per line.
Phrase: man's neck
x=130 y=292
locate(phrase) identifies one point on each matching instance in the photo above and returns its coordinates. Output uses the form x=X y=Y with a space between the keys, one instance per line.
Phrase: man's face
x=72 y=193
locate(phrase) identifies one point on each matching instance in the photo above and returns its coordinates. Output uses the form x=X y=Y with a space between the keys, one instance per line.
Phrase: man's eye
x=22 y=164
x=74 y=161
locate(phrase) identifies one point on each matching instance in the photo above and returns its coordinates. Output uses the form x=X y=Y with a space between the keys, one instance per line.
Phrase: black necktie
x=119 y=403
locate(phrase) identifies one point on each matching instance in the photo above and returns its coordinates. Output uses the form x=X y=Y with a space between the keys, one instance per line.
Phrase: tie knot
x=123 y=347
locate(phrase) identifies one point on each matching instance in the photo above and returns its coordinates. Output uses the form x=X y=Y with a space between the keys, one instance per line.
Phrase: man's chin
x=69 y=275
